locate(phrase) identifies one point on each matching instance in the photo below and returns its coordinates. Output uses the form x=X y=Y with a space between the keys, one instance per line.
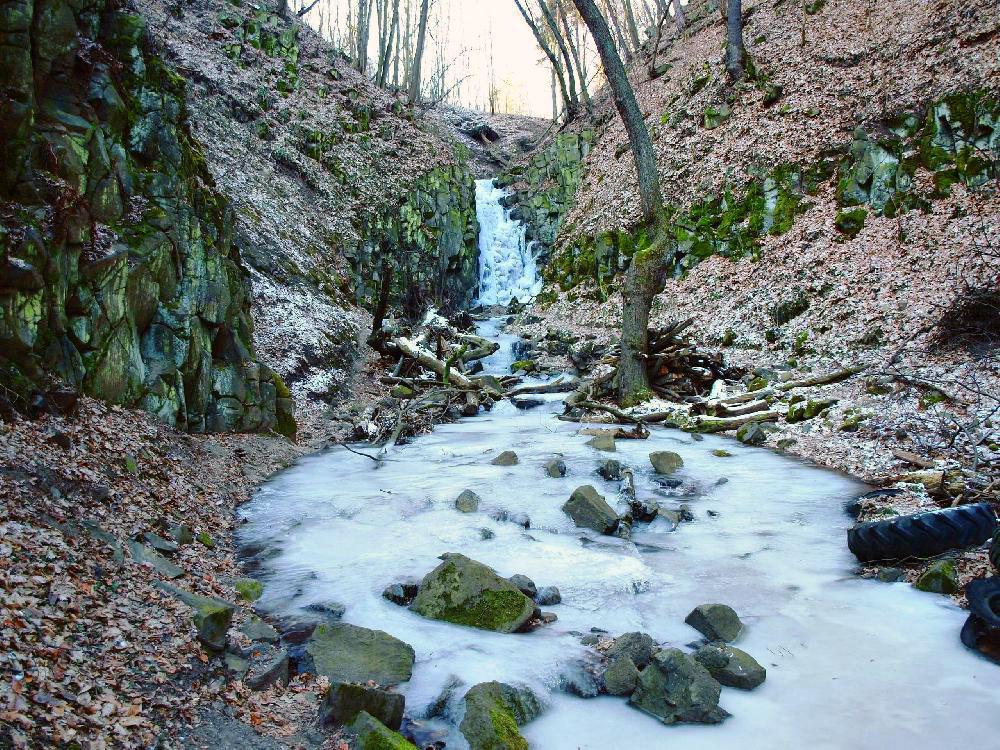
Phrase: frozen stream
x=851 y=663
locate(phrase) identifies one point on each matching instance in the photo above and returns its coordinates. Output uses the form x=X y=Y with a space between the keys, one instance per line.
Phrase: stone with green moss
x=212 y=616
x=493 y=713
x=851 y=222
x=372 y=734
x=248 y=589
x=205 y=539
x=941 y=577
x=666 y=462
x=348 y=653
x=465 y=592
x=588 y=509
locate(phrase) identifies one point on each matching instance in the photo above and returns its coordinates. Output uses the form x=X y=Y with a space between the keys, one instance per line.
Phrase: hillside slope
x=839 y=207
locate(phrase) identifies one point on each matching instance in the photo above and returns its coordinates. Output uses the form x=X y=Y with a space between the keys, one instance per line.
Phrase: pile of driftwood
x=675 y=366
x=435 y=377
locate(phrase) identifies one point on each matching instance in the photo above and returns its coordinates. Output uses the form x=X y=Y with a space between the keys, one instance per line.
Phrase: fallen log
x=425 y=359
x=559 y=385
x=722 y=424
x=719 y=409
x=825 y=379
x=478 y=347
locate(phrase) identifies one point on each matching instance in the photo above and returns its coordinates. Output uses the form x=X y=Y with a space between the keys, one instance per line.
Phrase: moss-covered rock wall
x=119 y=274
x=957 y=140
x=543 y=190
x=426 y=251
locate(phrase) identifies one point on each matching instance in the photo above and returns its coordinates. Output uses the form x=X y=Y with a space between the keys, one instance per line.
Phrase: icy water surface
x=850 y=663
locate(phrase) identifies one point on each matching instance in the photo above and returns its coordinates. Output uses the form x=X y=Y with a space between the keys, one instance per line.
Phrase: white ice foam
x=507 y=267
x=851 y=663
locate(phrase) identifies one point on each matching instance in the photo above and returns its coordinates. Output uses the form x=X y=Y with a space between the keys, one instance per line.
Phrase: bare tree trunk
x=364 y=24
x=633 y=30
x=418 y=53
x=555 y=100
x=571 y=43
x=646 y=275
x=383 y=63
x=679 y=16
x=735 y=51
x=622 y=43
x=553 y=60
x=550 y=21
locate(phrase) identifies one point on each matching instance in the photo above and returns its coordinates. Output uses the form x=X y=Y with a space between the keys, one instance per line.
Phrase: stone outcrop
x=120 y=275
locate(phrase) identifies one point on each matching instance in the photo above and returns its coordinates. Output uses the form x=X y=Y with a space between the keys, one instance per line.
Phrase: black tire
x=983 y=595
x=923 y=534
x=982 y=630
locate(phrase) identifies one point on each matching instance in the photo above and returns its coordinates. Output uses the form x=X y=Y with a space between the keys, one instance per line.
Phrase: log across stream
x=850 y=662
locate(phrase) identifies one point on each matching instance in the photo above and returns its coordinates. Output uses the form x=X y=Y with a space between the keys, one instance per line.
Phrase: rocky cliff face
x=120 y=274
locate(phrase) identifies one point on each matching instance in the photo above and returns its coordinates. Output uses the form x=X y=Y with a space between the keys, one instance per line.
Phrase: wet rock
x=402 y=593
x=344 y=701
x=525 y=585
x=717 y=622
x=147 y=555
x=621 y=676
x=486 y=534
x=731 y=666
x=519 y=518
x=611 y=470
x=328 y=610
x=348 y=653
x=507 y=458
x=590 y=510
x=466 y=592
x=636 y=646
x=467 y=502
x=160 y=544
x=751 y=434
x=212 y=617
x=180 y=533
x=547 y=596
x=257 y=630
x=939 y=578
x=891 y=575
x=555 y=468
x=547 y=617
x=676 y=688
x=578 y=680
x=721 y=453
x=372 y=734
x=644 y=509
x=268 y=666
x=665 y=462
x=493 y=713
x=603 y=442
x=526 y=402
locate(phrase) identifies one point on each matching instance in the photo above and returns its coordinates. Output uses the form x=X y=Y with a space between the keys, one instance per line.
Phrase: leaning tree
x=647 y=273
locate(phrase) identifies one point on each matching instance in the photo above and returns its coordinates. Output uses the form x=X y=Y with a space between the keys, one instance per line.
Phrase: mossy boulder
x=466 y=592
x=371 y=734
x=638 y=647
x=621 y=677
x=851 y=222
x=717 y=622
x=493 y=713
x=348 y=653
x=467 y=502
x=752 y=433
x=731 y=666
x=507 y=458
x=800 y=411
x=588 y=508
x=604 y=441
x=676 y=688
x=941 y=577
x=344 y=701
x=665 y=462
x=555 y=468
x=212 y=616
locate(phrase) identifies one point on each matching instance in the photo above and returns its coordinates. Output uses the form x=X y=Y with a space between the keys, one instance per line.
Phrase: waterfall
x=506 y=265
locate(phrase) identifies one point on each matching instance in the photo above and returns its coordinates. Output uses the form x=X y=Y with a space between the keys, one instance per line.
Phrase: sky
x=467 y=32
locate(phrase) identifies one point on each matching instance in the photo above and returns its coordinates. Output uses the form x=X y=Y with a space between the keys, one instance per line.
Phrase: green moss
x=757 y=384
x=205 y=539
x=492 y=610
x=851 y=222
x=505 y=728
x=249 y=589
